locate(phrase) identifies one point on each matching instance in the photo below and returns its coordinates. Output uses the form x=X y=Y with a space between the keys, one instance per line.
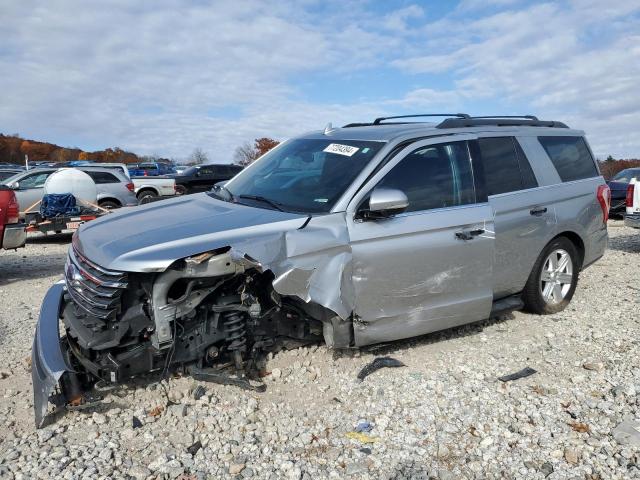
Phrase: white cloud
x=169 y=76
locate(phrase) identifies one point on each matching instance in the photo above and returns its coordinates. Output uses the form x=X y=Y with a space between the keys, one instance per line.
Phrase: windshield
x=625 y=176
x=189 y=171
x=303 y=175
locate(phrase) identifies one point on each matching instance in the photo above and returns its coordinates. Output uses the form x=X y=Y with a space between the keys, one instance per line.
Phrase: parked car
x=618 y=185
x=632 y=203
x=363 y=234
x=8 y=172
x=150 y=169
x=11 y=165
x=149 y=189
x=120 y=167
x=114 y=189
x=202 y=178
x=12 y=231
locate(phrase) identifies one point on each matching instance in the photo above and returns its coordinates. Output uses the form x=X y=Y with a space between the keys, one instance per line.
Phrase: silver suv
x=356 y=235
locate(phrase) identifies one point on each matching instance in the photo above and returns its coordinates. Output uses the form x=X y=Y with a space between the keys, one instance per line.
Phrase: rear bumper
x=632 y=220
x=14 y=236
x=47 y=360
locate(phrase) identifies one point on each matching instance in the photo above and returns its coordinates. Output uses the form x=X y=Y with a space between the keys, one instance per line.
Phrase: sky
x=163 y=77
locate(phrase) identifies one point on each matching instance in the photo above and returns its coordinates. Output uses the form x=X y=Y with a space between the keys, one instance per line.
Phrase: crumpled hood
x=151 y=237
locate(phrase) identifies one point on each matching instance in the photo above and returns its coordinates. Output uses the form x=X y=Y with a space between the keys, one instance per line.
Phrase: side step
x=505 y=305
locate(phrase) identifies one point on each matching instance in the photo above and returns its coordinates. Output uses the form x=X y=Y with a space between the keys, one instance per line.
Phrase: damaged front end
x=213 y=315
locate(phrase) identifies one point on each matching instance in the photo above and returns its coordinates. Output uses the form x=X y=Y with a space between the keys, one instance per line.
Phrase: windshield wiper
x=262 y=199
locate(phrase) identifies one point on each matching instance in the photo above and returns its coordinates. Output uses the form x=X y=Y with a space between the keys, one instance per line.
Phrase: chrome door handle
x=538 y=210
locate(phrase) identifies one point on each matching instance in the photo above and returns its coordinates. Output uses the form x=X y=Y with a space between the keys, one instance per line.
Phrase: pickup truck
x=12 y=232
x=149 y=189
x=632 y=202
x=150 y=169
x=202 y=178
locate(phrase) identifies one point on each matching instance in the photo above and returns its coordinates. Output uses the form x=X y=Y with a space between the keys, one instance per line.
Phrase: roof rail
x=500 y=121
x=379 y=120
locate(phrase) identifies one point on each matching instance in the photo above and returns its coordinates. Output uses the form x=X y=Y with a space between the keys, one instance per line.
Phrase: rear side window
x=506 y=168
x=570 y=156
x=435 y=176
x=102 y=177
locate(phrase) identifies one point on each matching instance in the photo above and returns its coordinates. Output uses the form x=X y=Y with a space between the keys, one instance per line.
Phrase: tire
x=146 y=196
x=109 y=204
x=181 y=190
x=547 y=289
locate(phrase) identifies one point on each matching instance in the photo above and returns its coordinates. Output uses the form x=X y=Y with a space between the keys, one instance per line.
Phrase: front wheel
x=554 y=277
x=181 y=190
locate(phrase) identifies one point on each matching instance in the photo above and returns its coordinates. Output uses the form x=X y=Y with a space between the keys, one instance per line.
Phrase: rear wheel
x=146 y=196
x=554 y=277
x=109 y=204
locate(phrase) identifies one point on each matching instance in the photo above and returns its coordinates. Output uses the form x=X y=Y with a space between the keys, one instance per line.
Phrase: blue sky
x=166 y=76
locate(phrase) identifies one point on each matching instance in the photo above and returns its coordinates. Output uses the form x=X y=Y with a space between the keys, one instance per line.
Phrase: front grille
x=96 y=291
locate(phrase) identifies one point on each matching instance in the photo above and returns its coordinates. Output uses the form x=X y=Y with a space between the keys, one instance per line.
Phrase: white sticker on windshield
x=346 y=150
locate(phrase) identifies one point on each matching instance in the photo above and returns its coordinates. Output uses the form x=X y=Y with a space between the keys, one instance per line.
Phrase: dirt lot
x=445 y=415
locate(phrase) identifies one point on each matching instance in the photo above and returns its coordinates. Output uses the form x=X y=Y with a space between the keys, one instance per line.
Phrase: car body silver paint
x=411 y=273
x=47 y=361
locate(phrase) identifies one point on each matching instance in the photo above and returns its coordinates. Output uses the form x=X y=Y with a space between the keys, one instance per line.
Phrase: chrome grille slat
x=94 y=289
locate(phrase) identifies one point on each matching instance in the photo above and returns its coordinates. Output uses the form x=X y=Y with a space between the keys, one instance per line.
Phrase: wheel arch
x=147 y=189
x=109 y=199
x=577 y=241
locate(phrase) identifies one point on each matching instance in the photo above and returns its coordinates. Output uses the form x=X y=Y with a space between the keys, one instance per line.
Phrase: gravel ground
x=445 y=415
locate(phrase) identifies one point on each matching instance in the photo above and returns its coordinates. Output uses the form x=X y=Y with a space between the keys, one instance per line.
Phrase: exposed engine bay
x=212 y=316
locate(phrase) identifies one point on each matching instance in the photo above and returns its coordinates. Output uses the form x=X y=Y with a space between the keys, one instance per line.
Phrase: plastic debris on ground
x=525 y=372
x=363 y=426
x=199 y=392
x=377 y=364
x=136 y=423
x=361 y=437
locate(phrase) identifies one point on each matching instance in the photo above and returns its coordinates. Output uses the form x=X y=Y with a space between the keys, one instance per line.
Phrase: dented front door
x=430 y=267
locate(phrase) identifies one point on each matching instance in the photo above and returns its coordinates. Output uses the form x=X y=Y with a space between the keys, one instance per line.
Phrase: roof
x=384 y=130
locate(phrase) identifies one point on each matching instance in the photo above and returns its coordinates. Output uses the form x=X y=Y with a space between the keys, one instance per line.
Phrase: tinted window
x=506 y=168
x=435 y=176
x=570 y=156
x=624 y=176
x=207 y=170
x=102 y=177
x=6 y=174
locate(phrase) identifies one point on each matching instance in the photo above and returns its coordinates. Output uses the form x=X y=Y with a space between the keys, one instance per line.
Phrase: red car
x=12 y=233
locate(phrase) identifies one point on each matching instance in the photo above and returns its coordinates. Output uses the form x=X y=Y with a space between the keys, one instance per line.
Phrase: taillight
x=131 y=186
x=628 y=200
x=13 y=209
x=604 y=199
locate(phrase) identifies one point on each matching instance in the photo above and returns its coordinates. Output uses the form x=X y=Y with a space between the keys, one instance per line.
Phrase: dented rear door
x=430 y=267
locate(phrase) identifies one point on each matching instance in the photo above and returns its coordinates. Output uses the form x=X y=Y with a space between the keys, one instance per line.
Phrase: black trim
x=477 y=166
x=379 y=120
x=525 y=121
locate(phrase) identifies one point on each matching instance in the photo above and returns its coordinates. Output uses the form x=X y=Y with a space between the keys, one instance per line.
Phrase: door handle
x=538 y=211
x=469 y=234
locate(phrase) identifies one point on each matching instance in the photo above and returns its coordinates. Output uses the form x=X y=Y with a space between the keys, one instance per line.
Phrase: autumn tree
x=247 y=153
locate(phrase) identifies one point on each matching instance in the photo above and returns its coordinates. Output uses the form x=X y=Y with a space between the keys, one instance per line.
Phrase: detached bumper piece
x=48 y=363
x=15 y=236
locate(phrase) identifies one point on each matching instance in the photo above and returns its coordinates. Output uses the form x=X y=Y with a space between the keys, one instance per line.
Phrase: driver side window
x=434 y=176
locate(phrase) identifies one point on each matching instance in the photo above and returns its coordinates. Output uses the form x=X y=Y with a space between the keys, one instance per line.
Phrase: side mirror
x=14 y=186
x=385 y=202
